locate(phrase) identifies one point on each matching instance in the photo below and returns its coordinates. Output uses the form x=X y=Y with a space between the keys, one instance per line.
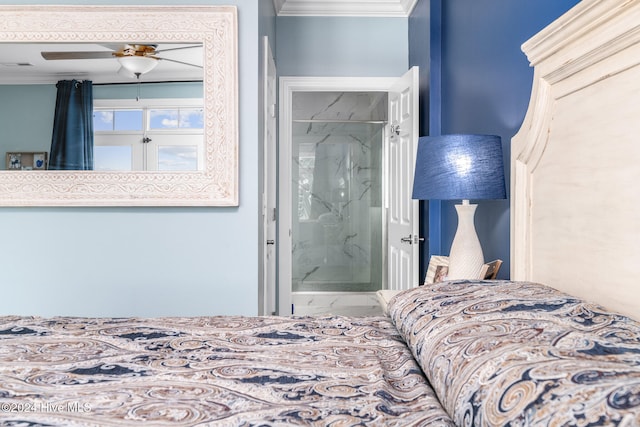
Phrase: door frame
x=287 y=86
x=267 y=295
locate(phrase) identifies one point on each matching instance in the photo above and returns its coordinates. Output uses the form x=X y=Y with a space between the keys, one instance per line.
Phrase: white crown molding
x=371 y=8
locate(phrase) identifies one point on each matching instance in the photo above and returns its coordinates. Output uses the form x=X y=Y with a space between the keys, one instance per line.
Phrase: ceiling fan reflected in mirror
x=134 y=59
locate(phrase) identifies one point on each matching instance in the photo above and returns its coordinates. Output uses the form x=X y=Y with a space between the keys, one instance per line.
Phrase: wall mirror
x=214 y=28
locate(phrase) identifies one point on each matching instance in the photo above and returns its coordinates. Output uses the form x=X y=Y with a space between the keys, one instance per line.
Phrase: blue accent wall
x=480 y=82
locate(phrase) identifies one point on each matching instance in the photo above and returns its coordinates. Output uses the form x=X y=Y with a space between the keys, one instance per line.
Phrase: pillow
x=519 y=353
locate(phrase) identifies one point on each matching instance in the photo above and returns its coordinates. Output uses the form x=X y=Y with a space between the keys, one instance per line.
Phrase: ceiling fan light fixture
x=137 y=64
x=126 y=73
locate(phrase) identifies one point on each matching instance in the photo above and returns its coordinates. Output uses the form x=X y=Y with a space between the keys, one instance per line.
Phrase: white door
x=402 y=211
x=269 y=183
x=402 y=267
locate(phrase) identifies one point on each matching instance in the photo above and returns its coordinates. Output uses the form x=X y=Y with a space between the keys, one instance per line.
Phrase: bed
x=223 y=371
x=465 y=353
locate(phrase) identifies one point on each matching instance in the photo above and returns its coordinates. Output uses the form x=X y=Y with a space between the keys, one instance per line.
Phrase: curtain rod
x=338 y=121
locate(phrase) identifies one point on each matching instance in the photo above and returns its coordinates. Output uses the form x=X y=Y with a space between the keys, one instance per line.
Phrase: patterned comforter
x=215 y=371
x=522 y=354
x=496 y=353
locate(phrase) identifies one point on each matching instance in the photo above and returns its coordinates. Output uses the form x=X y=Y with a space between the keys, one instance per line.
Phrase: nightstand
x=384 y=296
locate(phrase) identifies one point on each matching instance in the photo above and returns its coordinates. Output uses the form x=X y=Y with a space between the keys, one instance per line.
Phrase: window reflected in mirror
x=115 y=120
x=163 y=135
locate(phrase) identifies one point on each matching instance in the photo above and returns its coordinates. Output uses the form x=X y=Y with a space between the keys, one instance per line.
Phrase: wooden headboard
x=575 y=165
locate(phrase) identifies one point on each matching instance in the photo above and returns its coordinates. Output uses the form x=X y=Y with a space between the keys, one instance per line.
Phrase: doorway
x=337 y=219
x=346 y=154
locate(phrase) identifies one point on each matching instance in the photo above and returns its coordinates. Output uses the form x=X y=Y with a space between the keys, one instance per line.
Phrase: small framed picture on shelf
x=15 y=160
x=438 y=269
x=39 y=161
x=489 y=271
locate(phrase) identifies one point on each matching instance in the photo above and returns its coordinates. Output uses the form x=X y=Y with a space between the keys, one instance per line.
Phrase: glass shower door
x=337 y=227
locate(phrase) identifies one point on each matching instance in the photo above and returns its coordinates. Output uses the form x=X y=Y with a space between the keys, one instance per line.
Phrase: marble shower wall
x=332 y=106
x=337 y=170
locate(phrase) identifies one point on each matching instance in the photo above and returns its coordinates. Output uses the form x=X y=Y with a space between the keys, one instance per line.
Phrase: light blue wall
x=339 y=46
x=26 y=118
x=143 y=261
x=149 y=90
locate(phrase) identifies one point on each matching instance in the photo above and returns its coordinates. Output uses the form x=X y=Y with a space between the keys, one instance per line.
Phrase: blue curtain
x=72 y=140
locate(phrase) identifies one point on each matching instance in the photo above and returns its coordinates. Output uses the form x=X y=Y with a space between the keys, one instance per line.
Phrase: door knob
x=412 y=239
x=271 y=242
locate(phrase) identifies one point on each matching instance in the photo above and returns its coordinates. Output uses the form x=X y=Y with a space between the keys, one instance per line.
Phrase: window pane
x=191 y=118
x=112 y=158
x=102 y=120
x=128 y=120
x=163 y=119
x=178 y=158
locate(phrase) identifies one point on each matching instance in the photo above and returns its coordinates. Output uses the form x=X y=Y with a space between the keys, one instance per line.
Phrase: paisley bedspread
x=479 y=353
x=522 y=354
x=213 y=371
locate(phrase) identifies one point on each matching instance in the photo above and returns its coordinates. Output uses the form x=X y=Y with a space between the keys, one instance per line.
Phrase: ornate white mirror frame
x=214 y=26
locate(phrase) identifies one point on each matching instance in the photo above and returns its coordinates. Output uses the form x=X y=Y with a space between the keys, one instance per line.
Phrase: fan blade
x=49 y=56
x=178 y=48
x=178 y=62
x=113 y=46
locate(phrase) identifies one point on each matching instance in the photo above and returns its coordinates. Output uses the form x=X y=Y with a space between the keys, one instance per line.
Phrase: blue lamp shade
x=459 y=167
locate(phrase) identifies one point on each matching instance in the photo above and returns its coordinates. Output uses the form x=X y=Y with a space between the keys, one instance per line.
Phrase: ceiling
x=380 y=8
x=22 y=63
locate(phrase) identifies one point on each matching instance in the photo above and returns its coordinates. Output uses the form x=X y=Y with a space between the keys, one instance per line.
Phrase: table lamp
x=461 y=167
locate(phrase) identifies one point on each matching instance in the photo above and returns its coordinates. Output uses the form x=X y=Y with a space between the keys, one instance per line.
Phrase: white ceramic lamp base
x=466 y=257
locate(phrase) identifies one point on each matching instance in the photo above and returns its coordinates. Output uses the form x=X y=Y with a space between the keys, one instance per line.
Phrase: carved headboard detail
x=575 y=166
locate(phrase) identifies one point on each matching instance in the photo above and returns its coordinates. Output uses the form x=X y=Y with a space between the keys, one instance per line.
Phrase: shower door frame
x=287 y=87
